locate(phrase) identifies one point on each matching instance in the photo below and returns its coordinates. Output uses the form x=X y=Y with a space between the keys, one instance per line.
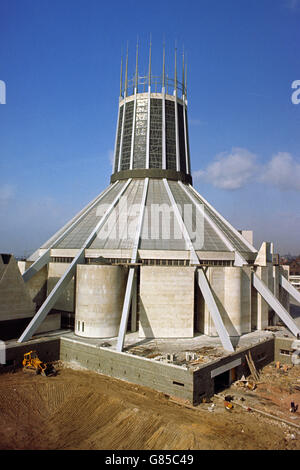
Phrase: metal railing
x=156 y=83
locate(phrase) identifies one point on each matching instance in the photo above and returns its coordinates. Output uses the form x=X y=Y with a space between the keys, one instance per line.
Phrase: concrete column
x=134 y=305
x=262 y=306
x=276 y=289
x=284 y=297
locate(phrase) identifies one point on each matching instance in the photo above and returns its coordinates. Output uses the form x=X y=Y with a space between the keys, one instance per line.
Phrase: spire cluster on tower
x=141 y=82
x=152 y=129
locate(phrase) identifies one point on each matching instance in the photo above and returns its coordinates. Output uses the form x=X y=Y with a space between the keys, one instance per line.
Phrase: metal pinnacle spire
x=175 y=77
x=126 y=71
x=136 y=64
x=164 y=64
x=183 y=91
x=149 y=78
x=121 y=74
x=185 y=86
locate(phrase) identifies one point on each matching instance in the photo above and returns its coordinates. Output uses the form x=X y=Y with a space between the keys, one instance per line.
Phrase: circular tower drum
x=152 y=133
x=99 y=300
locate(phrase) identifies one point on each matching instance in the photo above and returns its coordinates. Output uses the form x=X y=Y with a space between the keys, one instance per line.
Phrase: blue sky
x=60 y=61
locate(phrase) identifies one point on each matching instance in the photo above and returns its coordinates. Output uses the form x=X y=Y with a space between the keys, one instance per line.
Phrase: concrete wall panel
x=166 y=302
x=51 y=323
x=15 y=300
x=37 y=285
x=231 y=287
x=66 y=301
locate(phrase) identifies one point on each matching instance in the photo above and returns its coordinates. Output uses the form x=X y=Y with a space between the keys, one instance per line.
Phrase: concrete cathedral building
x=149 y=254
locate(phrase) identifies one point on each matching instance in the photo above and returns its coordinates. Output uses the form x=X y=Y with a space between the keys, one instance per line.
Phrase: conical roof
x=160 y=230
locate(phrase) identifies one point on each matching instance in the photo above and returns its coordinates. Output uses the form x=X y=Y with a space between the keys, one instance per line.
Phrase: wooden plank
x=252 y=367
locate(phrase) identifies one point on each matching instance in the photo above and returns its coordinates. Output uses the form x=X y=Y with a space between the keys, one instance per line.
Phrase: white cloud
x=282 y=171
x=7 y=192
x=292 y=4
x=235 y=169
x=230 y=170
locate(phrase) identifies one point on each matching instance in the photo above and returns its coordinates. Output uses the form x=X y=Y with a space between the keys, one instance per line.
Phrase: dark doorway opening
x=222 y=381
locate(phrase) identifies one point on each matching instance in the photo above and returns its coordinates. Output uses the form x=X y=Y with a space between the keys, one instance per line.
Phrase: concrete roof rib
x=160 y=229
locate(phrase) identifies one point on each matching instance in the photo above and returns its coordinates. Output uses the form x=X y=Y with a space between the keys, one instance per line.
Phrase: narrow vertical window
x=119 y=139
x=156 y=133
x=170 y=135
x=181 y=138
x=127 y=133
x=140 y=138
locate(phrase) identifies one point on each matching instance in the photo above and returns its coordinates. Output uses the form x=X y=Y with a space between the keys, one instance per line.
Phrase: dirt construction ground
x=84 y=410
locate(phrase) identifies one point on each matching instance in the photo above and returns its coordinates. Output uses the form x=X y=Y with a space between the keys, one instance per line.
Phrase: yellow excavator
x=32 y=363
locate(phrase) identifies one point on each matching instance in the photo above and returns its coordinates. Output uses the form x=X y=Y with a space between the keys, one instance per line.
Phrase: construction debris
x=190 y=356
x=246 y=384
x=199 y=360
x=228 y=405
x=229 y=397
x=211 y=407
x=251 y=385
x=252 y=368
x=293 y=408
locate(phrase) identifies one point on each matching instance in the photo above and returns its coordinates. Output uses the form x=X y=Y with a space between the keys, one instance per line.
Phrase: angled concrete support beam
x=51 y=299
x=130 y=287
x=37 y=265
x=274 y=303
x=214 y=311
x=45 y=258
x=193 y=255
x=126 y=308
x=289 y=288
x=67 y=276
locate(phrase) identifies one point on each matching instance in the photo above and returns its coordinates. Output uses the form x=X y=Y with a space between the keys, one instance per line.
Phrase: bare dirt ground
x=84 y=410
